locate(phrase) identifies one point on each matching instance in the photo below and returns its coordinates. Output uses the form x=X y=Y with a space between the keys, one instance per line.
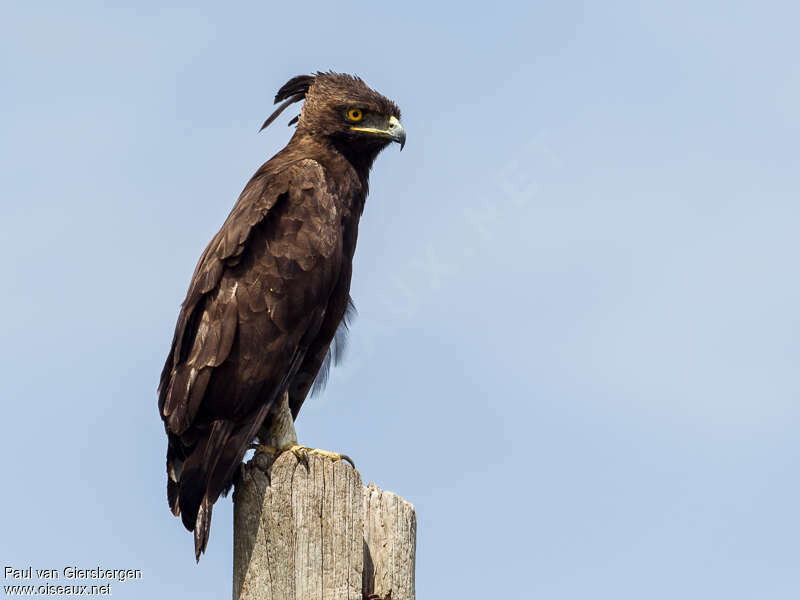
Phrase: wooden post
x=390 y=545
x=317 y=534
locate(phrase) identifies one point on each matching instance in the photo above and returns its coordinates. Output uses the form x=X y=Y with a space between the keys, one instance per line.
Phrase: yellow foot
x=302 y=452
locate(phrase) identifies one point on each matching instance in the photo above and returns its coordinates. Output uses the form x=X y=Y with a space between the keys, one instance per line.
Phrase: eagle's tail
x=202 y=527
x=189 y=478
x=219 y=478
x=195 y=484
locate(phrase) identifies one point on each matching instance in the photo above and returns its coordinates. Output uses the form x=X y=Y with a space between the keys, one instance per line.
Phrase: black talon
x=304 y=459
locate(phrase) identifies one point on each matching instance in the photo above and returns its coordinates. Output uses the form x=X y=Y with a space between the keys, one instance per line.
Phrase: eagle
x=269 y=299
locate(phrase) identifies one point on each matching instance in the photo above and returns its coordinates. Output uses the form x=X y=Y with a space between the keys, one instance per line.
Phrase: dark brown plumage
x=270 y=290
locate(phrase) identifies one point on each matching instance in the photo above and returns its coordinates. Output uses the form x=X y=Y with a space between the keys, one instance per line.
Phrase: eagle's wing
x=257 y=297
x=208 y=330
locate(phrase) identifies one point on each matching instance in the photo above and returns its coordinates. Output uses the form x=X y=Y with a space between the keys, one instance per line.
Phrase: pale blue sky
x=577 y=344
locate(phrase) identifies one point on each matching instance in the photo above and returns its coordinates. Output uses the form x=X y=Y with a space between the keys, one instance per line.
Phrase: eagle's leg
x=281 y=436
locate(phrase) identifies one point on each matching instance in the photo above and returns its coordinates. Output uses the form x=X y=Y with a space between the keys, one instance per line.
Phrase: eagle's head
x=341 y=108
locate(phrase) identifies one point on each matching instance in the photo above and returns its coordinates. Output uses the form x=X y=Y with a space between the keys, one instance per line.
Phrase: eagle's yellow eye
x=355 y=114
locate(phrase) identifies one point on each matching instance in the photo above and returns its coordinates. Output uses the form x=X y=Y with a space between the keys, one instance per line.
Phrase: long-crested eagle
x=269 y=293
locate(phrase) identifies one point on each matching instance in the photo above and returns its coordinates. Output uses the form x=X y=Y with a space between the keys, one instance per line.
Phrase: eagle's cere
x=269 y=299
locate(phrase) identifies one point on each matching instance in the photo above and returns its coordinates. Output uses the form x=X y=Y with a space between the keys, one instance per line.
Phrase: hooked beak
x=394 y=131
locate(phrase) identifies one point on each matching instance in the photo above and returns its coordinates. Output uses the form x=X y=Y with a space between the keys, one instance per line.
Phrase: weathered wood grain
x=390 y=534
x=307 y=533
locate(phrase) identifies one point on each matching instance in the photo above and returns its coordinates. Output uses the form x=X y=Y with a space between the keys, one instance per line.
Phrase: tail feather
x=173 y=491
x=174 y=472
x=202 y=528
x=221 y=476
x=196 y=470
x=206 y=473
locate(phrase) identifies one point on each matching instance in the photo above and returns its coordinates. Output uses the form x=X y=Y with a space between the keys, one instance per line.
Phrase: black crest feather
x=296 y=85
x=292 y=91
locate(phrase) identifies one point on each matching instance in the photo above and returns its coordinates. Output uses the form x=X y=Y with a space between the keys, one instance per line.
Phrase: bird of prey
x=270 y=291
